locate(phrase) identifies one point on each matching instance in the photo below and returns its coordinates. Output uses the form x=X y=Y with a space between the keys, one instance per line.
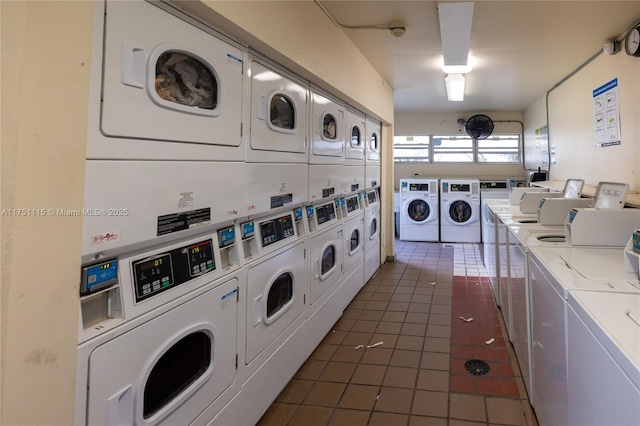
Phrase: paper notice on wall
x=606 y=114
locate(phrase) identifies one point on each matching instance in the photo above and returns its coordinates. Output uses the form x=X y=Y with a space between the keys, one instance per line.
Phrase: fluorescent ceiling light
x=456 y=69
x=455 y=31
x=455 y=87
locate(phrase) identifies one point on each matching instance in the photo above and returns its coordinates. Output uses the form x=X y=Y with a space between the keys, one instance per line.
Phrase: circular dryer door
x=419 y=211
x=460 y=212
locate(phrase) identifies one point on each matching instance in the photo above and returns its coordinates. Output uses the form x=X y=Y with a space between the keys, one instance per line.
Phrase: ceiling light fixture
x=455 y=31
x=455 y=87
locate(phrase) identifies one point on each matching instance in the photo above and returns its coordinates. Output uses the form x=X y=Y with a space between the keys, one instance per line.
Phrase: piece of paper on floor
x=466 y=319
x=490 y=341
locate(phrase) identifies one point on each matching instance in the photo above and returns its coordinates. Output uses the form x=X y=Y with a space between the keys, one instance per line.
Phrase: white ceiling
x=521 y=48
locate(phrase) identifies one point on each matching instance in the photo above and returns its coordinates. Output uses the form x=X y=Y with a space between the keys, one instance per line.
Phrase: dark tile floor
x=419 y=308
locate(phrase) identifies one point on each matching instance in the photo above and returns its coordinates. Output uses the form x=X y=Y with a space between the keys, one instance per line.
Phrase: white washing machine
x=419 y=210
x=490 y=190
x=372 y=233
x=279 y=115
x=354 y=237
x=160 y=94
x=460 y=210
x=157 y=332
x=603 y=330
x=555 y=273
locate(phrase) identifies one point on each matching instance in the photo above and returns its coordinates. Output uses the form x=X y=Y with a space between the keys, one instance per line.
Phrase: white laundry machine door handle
x=262 y=108
x=257 y=310
x=120 y=408
x=133 y=68
x=316 y=269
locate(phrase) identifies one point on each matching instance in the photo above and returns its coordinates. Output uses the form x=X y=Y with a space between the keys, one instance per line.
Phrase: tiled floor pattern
x=416 y=376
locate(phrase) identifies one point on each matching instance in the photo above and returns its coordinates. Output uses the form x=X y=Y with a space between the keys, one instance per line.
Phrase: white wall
x=447 y=123
x=45 y=78
x=299 y=35
x=571 y=124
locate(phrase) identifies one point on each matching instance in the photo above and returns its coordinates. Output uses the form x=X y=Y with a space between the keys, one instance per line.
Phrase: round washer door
x=419 y=211
x=460 y=212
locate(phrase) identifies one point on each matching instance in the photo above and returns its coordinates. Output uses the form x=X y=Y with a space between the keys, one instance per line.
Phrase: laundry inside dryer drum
x=328 y=260
x=185 y=80
x=460 y=211
x=419 y=210
x=186 y=361
x=280 y=294
x=354 y=241
x=329 y=126
x=282 y=112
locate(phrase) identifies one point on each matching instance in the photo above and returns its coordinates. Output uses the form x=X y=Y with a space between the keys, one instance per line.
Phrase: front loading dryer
x=276 y=173
x=419 y=210
x=276 y=284
x=158 y=334
x=460 y=210
x=168 y=89
x=372 y=233
x=326 y=155
x=279 y=115
x=353 y=253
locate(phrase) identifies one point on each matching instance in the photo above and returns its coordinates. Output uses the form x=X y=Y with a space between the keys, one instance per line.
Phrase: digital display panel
x=371 y=196
x=200 y=257
x=226 y=237
x=326 y=213
x=460 y=187
x=99 y=276
x=352 y=204
x=421 y=187
x=153 y=275
x=276 y=230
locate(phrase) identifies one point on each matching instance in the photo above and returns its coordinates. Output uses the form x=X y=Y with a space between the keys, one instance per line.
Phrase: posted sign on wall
x=606 y=114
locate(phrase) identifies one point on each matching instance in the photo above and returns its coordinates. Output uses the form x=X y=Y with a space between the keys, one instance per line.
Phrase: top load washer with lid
x=163 y=95
x=419 y=210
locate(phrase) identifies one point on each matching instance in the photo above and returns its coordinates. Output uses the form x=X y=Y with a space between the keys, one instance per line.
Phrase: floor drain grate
x=477 y=367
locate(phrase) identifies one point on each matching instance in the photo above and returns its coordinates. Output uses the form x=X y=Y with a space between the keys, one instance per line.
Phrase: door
x=419 y=211
x=326 y=262
x=169 y=369
x=356 y=138
x=460 y=212
x=327 y=146
x=275 y=289
x=373 y=142
x=278 y=116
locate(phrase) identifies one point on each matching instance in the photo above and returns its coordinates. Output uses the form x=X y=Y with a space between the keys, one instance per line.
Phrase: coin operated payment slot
x=228 y=248
x=100 y=296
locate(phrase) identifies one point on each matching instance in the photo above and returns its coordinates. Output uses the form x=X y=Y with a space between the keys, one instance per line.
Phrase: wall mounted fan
x=479 y=126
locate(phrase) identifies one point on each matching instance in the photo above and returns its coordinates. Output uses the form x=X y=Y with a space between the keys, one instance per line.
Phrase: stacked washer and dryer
x=235 y=228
